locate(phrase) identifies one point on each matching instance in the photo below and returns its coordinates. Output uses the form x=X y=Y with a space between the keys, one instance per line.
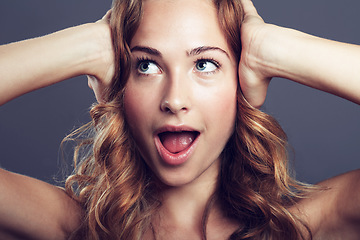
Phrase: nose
x=176 y=96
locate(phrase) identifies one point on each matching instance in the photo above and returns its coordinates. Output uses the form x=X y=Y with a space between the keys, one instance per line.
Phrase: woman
x=181 y=177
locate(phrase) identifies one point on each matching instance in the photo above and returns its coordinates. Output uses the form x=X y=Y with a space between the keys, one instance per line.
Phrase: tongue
x=176 y=142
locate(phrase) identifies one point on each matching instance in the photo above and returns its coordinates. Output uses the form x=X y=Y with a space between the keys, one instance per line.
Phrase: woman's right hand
x=100 y=76
x=36 y=63
x=30 y=208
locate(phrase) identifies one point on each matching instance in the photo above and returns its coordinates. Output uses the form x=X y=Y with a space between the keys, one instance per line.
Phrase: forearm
x=28 y=65
x=327 y=65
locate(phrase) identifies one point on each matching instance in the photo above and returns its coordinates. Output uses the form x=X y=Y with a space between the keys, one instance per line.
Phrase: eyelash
x=140 y=60
x=211 y=60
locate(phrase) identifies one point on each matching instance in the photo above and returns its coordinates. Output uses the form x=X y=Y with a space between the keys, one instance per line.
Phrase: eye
x=147 y=67
x=206 y=65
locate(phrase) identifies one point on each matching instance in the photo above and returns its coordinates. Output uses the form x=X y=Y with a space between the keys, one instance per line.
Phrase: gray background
x=323 y=129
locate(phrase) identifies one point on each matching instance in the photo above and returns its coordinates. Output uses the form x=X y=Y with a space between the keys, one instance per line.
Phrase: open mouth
x=176 y=142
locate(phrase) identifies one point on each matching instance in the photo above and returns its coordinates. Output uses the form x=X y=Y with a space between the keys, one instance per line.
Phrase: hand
x=253 y=81
x=100 y=78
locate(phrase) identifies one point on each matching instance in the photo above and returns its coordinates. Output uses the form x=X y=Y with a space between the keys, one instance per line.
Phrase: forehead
x=181 y=23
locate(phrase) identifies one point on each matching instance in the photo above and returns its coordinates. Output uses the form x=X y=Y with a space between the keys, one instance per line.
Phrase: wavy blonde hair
x=116 y=189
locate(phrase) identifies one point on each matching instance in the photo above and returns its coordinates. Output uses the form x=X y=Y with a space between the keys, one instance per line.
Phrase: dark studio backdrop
x=323 y=130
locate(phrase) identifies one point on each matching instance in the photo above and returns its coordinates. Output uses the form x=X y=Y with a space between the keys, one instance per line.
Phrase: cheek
x=130 y=103
x=134 y=108
x=226 y=110
x=140 y=109
x=223 y=107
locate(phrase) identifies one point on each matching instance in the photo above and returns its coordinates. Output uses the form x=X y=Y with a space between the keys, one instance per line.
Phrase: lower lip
x=175 y=159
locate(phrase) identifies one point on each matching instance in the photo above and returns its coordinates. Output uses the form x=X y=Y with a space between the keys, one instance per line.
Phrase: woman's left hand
x=253 y=81
x=272 y=51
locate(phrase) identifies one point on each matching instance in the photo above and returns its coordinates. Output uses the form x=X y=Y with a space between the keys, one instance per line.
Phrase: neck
x=187 y=204
x=183 y=207
x=181 y=213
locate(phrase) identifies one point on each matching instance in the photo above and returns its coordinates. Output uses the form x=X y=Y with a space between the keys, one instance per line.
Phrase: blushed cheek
x=227 y=110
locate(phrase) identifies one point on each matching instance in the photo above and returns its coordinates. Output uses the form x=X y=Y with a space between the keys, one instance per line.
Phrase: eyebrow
x=199 y=50
x=192 y=52
x=149 y=50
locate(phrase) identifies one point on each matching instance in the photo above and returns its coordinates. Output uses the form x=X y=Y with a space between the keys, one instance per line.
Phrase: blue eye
x=148 y=67
x=206 y=66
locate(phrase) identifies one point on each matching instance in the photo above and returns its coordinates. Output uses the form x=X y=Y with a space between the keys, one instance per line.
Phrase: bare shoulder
x=333 y=212
x=32 y=209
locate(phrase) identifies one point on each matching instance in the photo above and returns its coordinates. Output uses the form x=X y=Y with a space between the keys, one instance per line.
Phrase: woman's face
x=180 y=99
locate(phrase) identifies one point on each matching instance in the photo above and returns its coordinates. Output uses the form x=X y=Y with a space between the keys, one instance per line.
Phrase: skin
x=46 y=211
x=178 y=94
x=84 y=49
x=174 y=93
x=272 y=51
x=268 y=51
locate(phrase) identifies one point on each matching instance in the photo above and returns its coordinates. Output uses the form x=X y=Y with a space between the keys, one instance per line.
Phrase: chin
x=176 y=181
x=185 y=176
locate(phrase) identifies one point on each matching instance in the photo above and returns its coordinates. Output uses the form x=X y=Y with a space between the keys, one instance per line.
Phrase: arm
x=272 y=51
x=36 y=63
x=31 y=209
x=333 y=213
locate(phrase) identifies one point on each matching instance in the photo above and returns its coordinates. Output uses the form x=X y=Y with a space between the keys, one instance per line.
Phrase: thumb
x=253 y=87
x=97 y=87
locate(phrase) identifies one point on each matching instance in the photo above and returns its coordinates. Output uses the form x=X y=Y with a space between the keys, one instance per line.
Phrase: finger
x=98 y=89
x=253 y=86
x=248 y=7
x=91 y=80
x=106 y=17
